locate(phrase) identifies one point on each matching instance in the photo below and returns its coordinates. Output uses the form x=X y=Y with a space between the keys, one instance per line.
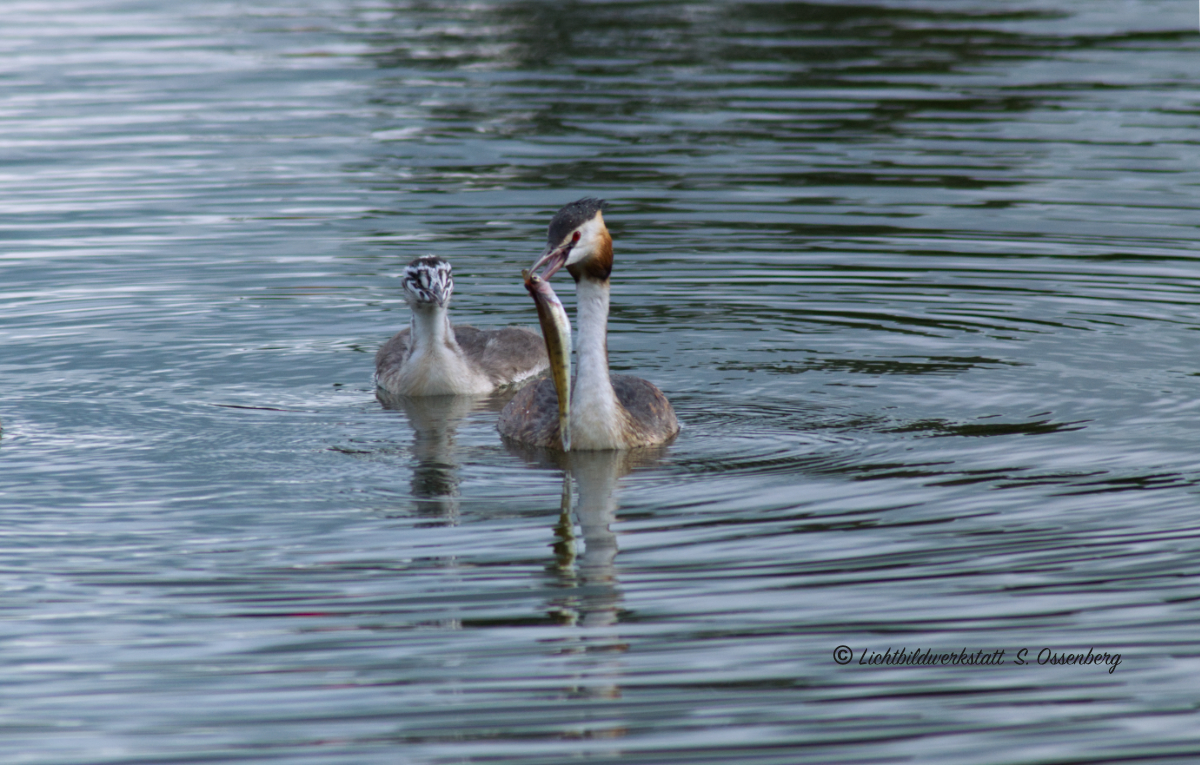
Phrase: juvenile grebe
x=433 y=358
x=606 y=411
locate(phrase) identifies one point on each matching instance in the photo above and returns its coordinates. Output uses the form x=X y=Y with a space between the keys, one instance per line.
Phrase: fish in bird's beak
x=556 y=330
x=554 y=258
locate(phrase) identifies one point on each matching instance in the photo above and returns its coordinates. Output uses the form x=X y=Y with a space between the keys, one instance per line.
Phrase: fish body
x=556 y=331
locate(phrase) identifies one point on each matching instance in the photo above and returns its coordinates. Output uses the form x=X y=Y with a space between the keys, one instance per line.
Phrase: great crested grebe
x=606 y=411
x=433 y=358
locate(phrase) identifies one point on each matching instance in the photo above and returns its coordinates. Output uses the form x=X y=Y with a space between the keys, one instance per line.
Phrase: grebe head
x=428 y=282
x=578 y=239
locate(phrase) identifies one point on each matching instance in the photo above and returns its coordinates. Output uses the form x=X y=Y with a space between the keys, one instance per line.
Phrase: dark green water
x=921 y=279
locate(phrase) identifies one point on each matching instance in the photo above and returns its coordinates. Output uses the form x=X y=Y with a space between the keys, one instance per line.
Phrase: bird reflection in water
x=435 y=421
x=584 y=567
x=587 y=600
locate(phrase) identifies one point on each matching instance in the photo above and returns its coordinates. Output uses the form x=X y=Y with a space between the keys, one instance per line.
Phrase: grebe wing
x=652 y=419
x=505 y=355
x=391 y=354
x=532 y=415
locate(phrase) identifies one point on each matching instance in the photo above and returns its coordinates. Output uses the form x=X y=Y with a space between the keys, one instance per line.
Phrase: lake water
x=921 y=278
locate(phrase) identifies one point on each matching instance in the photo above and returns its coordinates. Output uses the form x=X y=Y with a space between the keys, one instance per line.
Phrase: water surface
x=920 y=279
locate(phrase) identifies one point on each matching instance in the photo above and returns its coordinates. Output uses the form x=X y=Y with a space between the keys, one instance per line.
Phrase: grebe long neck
x=593 y=332
x=430 y=329
x=436 y=364
x=597 y=418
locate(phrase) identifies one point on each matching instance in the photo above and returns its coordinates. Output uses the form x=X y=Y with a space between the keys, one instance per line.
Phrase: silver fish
x=556 y=330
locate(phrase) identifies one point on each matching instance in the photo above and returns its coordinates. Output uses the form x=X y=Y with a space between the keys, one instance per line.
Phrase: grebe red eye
x=575 y=237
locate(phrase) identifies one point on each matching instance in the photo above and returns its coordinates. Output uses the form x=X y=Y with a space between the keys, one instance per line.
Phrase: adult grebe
x=433 y=358
x=606 y=411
